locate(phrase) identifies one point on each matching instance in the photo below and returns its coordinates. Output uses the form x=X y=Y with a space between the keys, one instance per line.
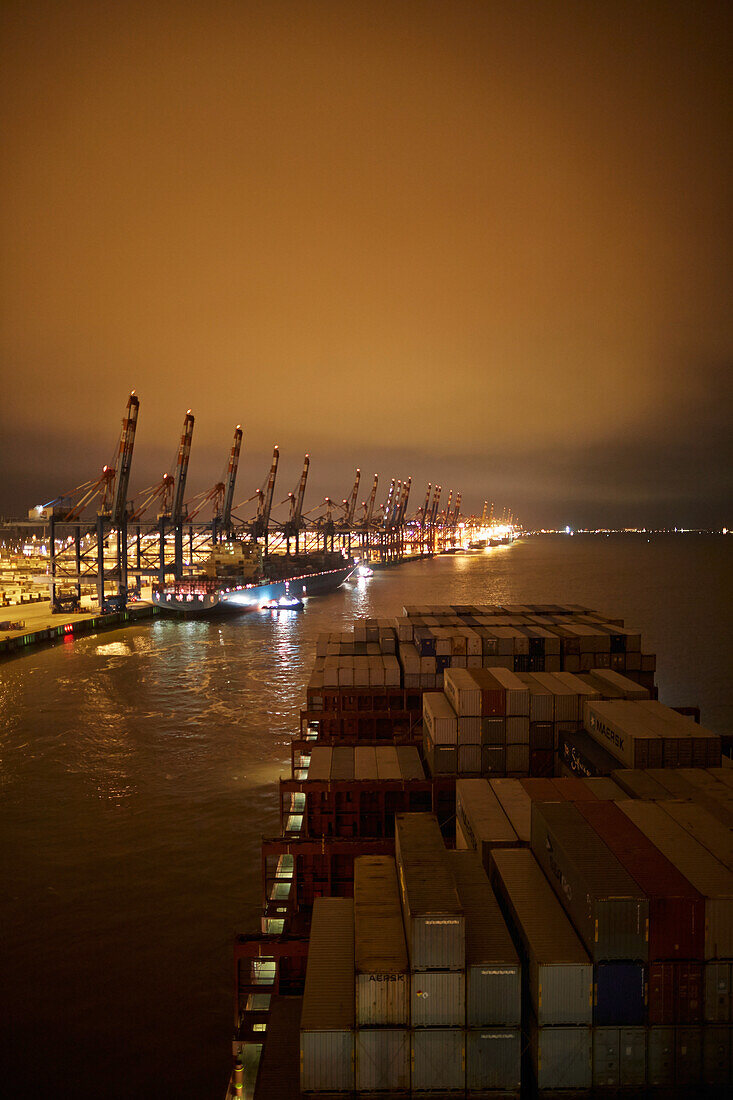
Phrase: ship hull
x=238 y=598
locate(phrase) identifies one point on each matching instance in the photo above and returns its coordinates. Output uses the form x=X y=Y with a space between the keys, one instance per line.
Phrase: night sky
x=482 y=243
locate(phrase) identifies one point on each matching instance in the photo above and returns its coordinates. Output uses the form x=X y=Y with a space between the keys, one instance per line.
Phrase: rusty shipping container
x=606 y=906
x=675 y=993
x=434 y=919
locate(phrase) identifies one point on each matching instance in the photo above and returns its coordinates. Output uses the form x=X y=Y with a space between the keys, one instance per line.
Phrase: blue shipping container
x=619 y=994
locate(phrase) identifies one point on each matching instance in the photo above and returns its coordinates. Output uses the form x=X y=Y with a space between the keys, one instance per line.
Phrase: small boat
x=285 y=603
x=364 y=571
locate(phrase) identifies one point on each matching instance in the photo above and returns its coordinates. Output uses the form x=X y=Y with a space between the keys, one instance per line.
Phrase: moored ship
x=236 y=578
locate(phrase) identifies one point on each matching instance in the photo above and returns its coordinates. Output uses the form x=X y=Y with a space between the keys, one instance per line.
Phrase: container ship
x=505 y=869
x=236 y=578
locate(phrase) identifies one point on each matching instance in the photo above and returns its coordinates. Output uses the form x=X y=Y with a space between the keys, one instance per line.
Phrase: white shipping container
x=439 y=719
x=462 y=691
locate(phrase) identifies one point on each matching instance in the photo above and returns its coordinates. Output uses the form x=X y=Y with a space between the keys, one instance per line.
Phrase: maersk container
x=484 y=823
x=558 y=972
x=688 y=1056
x=718 y=995
x=493 y=1060
x=516 y=804
x=381 y=964
x=438 y=998
x=660 y=1057
x=561 y=1057
x=619 y=1057
x=676 y=908
x=438 y=1060
x=606 y=906
x=619 y=994
x=717 y=1064
x=709 y=877
x=382 y=1059
x=493 y=970
x=618 y=727
x=327 y=1019
x=434 y=919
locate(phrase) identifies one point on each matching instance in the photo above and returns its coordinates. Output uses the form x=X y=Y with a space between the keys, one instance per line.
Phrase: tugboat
x=234 y=580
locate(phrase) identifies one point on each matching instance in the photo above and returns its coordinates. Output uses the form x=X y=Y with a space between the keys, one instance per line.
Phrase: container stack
x=493 y=985
x=610 y=913
x=327 y=1020
x=436 y=939
x=703 y=1051
x=382 y=979
x=558 y=975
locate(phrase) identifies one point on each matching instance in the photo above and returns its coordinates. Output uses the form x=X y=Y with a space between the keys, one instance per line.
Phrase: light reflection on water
x=138 y=772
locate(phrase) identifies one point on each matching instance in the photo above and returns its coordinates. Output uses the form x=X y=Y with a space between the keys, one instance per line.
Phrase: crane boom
x=124 y=459
x=447 y=507
x=184 y=453
x=263 y=512
x=457 y=509
x=296 y=501
x=426 y=505
x=388 y=504
x=372 y=498
x=403 y=503
x=436 y=502
x=352 y=499
x=226 y=512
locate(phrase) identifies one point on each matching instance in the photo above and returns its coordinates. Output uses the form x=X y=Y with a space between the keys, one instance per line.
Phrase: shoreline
x=15 y=644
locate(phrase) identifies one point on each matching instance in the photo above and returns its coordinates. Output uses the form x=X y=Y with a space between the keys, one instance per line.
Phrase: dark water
x=137 y=773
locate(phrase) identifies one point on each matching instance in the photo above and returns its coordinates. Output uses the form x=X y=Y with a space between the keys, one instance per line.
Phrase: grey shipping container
x=718 y=998
x=483 y=821
x=327 y=1020
x=382 y=1059
x=609 y=911
x=517 y=805
x=717 y=1064
x=381 y=964
x=561 y=1057
x=438 y=998
x=493 y=970
x=493 y=1059
x=558 y=972
x=434 y=921
x=688 y=1055
x=619 y=1057
x=438 y=1059
x=703 y=870
x=660 y=1057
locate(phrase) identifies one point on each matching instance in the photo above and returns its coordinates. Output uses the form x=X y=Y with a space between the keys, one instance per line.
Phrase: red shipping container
x=493 y=694
x=676 y=909
x=675 y=993
x=573 y=789
x=541 y=790
x=541 y=762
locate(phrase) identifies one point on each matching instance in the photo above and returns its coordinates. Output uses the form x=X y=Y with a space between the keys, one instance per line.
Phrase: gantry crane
x=294 y=522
